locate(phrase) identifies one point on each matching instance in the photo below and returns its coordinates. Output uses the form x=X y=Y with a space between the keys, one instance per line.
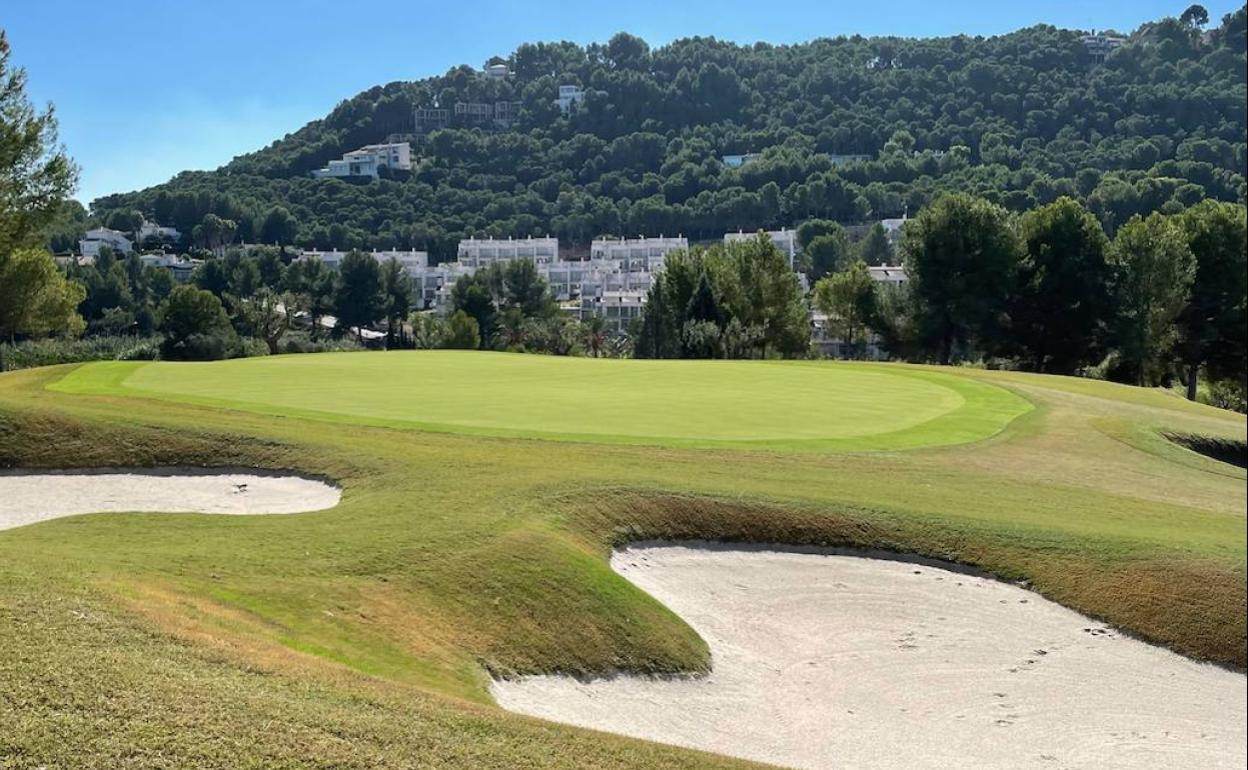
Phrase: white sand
x=841 y=661
x=30 y=496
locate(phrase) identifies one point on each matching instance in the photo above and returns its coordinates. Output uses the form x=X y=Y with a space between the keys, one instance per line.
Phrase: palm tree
x=595 y=334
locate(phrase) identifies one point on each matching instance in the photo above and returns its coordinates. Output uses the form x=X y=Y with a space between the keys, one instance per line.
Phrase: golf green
x=822 y=406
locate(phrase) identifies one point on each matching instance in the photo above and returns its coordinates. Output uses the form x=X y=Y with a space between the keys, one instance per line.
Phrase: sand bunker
x=30 y=496
x=840 y=661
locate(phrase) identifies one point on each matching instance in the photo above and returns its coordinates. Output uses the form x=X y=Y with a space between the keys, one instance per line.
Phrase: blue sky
x=147 y=88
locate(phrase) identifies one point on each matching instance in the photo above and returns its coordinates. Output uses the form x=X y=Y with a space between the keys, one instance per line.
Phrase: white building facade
x=100 y=237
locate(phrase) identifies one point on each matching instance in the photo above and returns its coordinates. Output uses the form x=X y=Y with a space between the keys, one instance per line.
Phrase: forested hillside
x=1020 y=119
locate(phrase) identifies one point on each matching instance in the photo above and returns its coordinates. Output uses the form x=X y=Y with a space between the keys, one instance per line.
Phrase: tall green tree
x=35 y=296
x=961 y=255
x=876 y=248
x=195 y=325
x=313 y=286
x=758 y=288
x=475 y=295
x=1155 y=269
x=359 y=300
x=36 y=176
x=396 y=288
x=462 y=332
x=848 y=299
x=1212 y=324
x=826 y=253
x=525 y=289
x=1061 y=307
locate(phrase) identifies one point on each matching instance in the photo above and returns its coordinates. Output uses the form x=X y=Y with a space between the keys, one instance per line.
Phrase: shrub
x=48 y=352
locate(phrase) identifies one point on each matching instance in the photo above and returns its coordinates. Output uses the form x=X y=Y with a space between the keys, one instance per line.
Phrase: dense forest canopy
x=1020 y=119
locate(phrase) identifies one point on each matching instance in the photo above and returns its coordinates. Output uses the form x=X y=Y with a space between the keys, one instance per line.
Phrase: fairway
x=686 y=403
x=461 y=550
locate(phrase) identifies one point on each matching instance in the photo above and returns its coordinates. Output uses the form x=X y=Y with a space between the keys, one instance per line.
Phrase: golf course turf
x=672 y=403
x=364 y=635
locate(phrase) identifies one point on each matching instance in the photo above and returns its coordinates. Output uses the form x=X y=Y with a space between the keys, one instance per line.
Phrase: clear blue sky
x=147 y=88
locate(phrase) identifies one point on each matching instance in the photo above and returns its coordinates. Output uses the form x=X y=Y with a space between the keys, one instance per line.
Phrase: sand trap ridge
x=841 y=661
x=30 y=496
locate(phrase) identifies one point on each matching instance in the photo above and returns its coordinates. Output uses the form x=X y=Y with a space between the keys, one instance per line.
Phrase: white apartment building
x=618 y=308
x=413 y=262
x=785 y=240
x=482 y=252
x=94 y=240
x=640 y=253
x=496 y=71
x=569 y=95
x=368 y=160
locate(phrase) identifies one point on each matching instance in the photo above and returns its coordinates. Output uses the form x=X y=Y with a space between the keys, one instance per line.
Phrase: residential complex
x=369 y=160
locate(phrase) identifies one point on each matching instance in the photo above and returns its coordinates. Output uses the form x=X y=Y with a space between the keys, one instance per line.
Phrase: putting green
x=817 y=406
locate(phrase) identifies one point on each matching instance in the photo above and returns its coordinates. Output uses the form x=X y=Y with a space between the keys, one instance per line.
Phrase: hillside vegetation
x=1020 y=119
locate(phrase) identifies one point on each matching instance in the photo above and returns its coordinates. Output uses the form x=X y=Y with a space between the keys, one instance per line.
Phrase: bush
x=1228 y=394
x=47 y=352
x=213 y=346
x=302 y=343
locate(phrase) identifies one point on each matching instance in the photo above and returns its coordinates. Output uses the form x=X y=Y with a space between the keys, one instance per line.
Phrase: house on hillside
x=568 y=96
x=368 y=160
x=100 y=237
x=737 y=161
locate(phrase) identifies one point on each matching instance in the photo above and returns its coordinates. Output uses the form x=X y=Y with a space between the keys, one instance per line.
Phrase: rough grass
x=362 y=636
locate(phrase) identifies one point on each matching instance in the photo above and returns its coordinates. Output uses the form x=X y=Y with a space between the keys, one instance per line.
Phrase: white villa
x=737 y=161
x=149 y=230
x=368 y=160
x=569 y=95
x=96 y=239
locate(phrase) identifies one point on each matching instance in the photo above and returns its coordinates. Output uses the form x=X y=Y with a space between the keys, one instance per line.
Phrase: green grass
x=362 y=636
x=673 y=403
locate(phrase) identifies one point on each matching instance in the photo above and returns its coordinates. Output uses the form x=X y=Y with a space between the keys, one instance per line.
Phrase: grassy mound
x=364 y=635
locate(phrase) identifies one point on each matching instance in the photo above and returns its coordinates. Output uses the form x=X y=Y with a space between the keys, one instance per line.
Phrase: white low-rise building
x=179 y=268
x=737 y=161
x=785 y=240
x=369 y=160
x=100 y=237
x=412 y=261
x=893 y=275
x=151 y=230
x=482 y=252
x=641 y=253
x=618 y=308
x=568 y=96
